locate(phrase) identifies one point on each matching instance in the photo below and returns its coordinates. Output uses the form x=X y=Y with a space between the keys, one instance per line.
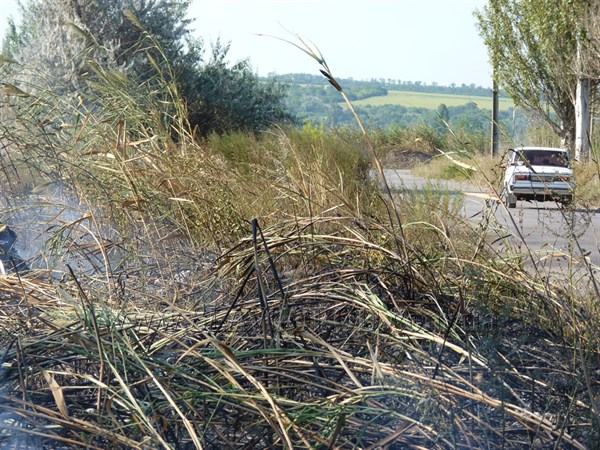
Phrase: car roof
x=555 y=149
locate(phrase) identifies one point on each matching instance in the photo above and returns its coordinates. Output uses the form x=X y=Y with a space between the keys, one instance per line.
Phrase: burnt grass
x=346 y=353
x=336 y=330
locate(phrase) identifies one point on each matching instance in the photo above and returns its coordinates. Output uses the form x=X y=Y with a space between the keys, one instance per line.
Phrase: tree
x=443 y=118
x=533 y=49
x=68 y=39
x=443 y=113
x=222 y=98
x=592 y=39
x=63 y=36
x=588 y=69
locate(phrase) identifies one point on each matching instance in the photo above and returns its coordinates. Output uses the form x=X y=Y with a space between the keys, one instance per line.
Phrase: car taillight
x=521 y=177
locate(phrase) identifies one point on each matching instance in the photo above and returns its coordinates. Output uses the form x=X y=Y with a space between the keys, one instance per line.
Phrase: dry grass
x=587 y=179
x=319 y=339
x=249 y=292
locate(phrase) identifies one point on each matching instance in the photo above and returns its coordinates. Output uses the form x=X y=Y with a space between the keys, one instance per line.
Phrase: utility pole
x=494 y=58
x=495 y=133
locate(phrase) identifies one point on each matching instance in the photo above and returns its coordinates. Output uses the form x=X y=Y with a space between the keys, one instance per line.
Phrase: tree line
x=380 y=86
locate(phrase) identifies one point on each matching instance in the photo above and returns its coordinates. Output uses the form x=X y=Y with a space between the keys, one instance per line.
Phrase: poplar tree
x=533 y=47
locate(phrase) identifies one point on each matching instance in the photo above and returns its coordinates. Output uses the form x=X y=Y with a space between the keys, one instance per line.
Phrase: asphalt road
x=555 y=236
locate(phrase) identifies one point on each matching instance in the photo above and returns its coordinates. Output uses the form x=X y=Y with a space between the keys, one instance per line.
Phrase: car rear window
x=544 y=158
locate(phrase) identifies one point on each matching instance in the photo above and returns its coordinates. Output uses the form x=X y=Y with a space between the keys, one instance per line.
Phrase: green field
x=431 y=101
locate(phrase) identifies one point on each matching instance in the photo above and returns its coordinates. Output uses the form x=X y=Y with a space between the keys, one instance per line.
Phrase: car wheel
x=567 y=201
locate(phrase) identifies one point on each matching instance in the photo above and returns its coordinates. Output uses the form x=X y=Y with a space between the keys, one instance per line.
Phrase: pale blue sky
x=409 y=40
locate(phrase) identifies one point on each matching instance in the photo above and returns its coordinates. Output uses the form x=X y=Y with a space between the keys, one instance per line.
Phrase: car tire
x=567 y=201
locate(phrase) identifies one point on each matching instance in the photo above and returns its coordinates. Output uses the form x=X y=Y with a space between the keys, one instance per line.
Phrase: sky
x=408 y=40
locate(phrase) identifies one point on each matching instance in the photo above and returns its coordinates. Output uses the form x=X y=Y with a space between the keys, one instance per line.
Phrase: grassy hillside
x=312 y=99
x=431 y=100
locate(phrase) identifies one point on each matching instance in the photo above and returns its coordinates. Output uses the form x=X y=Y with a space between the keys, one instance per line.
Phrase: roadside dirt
x=396 y=158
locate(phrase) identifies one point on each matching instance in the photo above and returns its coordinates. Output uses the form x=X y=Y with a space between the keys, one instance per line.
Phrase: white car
x=537 y=173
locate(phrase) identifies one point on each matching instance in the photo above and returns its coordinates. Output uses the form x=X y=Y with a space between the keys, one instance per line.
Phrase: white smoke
x=13 y=430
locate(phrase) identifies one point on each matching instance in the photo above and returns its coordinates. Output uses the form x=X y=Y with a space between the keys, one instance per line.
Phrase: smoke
x=53 y=229
x=13 y=430
x=46 y=231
